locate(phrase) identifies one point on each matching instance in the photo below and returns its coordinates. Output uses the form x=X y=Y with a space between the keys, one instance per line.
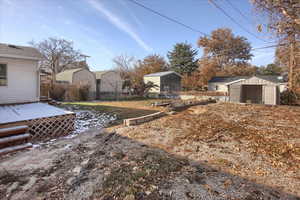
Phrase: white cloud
x=131 y=13
x=119 y=23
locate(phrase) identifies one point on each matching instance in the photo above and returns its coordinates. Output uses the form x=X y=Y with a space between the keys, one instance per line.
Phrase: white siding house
x=19 y=74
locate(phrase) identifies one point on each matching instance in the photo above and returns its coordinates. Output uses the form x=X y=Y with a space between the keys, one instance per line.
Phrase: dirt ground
x=212 y=152
x=256 y=142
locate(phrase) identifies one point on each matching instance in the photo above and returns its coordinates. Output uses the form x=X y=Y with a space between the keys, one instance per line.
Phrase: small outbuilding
x=79 y=76
x=109 y=84
x=256 y=89
x=220 y=83
x=167 y=82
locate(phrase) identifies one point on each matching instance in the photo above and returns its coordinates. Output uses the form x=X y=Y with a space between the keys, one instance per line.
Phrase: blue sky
x=104 y=29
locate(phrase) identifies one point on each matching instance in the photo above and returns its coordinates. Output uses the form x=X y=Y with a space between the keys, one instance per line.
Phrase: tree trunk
x=292 y=63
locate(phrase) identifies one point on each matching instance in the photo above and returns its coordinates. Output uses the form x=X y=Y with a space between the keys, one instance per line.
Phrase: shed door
x=235 y=93
x=270 y=94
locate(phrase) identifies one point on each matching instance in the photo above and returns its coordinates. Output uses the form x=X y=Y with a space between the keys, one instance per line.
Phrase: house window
x=217 y=87
x=3 y=74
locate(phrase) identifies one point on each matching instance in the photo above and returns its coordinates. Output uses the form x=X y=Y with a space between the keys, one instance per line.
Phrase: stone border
x=140 y=120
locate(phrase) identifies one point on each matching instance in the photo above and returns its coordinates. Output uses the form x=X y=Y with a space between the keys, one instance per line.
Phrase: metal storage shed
x=257 y=89
x=167 y=82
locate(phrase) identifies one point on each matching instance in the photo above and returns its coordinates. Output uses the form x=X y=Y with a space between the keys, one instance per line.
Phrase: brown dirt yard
x=256 y=142
x=212 y=152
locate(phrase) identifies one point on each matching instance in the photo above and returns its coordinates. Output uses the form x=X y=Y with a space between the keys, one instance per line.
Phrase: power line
x=233 y=20
x=266 y=47
x=238 y=10
x=187 y=26
x=168 y=18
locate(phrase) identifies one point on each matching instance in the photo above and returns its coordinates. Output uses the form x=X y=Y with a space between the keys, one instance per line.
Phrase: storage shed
x=220 y=83
x=167 y=82
x=109 y=84
x=256 y=89
x=79 y=76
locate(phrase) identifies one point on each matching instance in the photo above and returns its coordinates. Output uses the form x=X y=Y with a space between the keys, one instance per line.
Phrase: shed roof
x=226 y=79
x=100 y=73
x=14 y=51
x=274 y=79
x=159 y=74
x=67 y=75
x=223 y=79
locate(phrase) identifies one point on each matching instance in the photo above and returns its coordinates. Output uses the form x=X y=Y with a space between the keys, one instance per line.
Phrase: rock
x=12 y=188
x=30 y=183
x=77 y=170
x=172 y=113
x=129 y=197
x=70 y=181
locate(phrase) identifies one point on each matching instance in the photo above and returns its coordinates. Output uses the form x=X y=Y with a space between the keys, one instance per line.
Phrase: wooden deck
x=43 y=121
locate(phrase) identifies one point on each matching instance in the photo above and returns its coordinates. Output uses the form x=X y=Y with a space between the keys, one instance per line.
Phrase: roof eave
x=20 y=57
x=149 y=75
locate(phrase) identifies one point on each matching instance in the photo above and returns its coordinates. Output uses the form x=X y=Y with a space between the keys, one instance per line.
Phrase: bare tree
x=57 y=54
x=124 y=64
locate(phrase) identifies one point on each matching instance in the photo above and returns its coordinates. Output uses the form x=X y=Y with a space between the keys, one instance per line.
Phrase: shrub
x=72 y=93
x=84 y=91
x=57 y=92
x=289 y=97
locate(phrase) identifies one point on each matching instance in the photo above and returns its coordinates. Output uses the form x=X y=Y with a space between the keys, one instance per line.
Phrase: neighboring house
x=109 y=83
x=19 y=74
x=219 y=83
x=167 y=82
x=256 y=89
x=79 y=76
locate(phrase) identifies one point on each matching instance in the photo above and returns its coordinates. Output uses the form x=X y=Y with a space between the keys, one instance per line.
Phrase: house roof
x=223 y=79
x=159 y=74
x=67 y=75
x=13 y=51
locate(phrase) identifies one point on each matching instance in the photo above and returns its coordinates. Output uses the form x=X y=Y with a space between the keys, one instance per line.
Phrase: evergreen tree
x=182 y=58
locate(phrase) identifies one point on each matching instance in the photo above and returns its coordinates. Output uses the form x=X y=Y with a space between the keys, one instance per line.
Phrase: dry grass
x=123 y=109
x=253 y=141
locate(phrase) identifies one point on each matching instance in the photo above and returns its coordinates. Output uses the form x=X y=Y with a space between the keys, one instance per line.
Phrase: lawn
x=123 y=109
